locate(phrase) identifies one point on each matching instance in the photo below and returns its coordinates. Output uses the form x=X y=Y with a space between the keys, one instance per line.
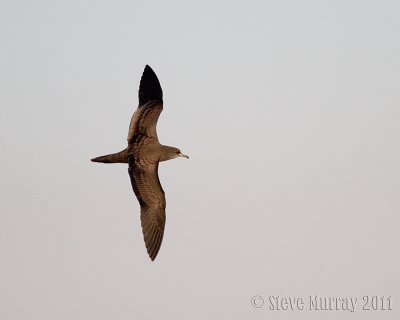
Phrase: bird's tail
x=119 y=157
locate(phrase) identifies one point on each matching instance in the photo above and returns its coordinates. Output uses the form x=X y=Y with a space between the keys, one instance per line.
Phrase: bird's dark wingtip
x=150 y=88
x=153 y=254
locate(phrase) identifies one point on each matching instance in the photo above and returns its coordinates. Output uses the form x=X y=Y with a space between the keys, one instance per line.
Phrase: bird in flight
x=143 y=154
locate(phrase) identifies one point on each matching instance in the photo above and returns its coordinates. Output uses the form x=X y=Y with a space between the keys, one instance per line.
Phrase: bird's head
x=172 y=153
x=177 y=153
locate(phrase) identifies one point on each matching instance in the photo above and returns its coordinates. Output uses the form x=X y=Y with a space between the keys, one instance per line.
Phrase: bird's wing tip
x=150 y=88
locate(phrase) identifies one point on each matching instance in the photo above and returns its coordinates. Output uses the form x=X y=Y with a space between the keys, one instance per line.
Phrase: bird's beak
x=184 y=155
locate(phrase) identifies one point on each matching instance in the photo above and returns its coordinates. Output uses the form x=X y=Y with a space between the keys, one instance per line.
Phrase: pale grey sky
x=290 y=111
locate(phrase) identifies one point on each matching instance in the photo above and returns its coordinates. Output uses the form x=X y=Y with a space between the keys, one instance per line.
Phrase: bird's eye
x=178 y=152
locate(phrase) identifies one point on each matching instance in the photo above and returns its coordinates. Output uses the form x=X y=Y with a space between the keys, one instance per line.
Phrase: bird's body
x=143 y=154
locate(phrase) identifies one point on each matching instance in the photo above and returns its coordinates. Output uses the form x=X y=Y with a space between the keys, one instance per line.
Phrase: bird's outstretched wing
x=148 y=190
x=144 y=120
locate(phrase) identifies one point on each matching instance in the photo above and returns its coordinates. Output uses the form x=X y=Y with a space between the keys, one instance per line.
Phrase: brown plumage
x=143 y=154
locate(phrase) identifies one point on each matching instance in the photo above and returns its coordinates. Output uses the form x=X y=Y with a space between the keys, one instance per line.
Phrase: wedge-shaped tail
x=119 y=157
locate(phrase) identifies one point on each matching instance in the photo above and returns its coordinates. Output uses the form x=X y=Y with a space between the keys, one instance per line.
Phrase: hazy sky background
x=290 y=112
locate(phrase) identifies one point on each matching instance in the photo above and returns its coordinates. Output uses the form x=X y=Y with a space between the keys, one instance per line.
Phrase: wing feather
x=151 y=197
x=144 y=120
